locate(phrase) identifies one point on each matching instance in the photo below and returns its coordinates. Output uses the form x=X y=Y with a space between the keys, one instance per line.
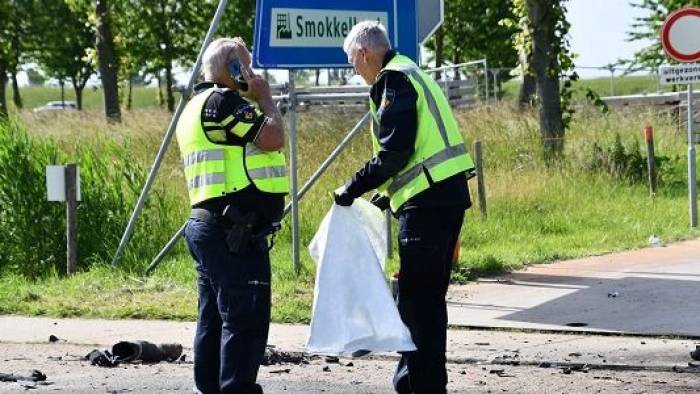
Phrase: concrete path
x=648 y=291
x=464 y=346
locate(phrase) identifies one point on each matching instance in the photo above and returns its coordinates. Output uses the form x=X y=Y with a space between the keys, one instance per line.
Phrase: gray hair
x=217 y=56
x=367 y=34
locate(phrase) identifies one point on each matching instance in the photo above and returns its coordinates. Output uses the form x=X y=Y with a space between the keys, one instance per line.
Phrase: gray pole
x=168 y=135
x=692 y=189
x=166 y=249
x=486 y=80
x=612 y=81
x=293 y=170
x=331 y=158
x=70 y=171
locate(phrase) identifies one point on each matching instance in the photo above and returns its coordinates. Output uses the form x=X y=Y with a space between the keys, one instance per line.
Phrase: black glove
x=380 y=201
x=342 y=197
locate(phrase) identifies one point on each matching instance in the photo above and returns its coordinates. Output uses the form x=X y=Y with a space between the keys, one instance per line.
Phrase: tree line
x=127 y=40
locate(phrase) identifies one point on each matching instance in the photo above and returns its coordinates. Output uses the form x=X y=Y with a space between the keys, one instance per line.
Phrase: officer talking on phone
x=236 y=178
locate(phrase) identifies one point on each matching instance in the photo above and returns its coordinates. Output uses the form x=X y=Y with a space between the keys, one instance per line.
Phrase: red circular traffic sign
x=680 y=35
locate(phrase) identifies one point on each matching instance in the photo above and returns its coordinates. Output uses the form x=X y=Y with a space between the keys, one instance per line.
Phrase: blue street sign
x=309 y=33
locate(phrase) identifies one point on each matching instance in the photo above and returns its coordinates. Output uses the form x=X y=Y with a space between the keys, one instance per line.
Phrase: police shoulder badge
x=388 y=99
x=245 y=113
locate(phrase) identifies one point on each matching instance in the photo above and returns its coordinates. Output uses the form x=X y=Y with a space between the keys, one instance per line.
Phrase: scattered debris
x=326 y=369
x=497 y=370
x=275 y=357
x=350 y=364
x=643 y=343
x=102 y=358
x=34 y=376
x=655 y=241
x=613 y=294
x=332 y=360
x=360 y=353
x=53 y=338
x=695 y=354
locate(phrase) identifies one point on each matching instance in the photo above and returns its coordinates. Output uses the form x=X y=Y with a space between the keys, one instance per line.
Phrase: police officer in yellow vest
x=420 y=168
x=236 y=179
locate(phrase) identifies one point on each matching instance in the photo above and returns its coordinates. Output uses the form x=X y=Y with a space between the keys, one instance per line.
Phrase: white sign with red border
x=680 y=35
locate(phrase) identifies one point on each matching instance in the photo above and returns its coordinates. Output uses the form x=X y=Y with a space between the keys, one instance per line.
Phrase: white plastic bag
x=353 y=308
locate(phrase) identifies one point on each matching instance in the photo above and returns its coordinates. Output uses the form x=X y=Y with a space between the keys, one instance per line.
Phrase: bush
x=111 y=181
x=621 y=162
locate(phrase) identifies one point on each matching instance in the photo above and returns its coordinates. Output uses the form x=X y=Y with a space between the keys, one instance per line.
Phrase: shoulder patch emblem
x=245 y=113
x=388 y=99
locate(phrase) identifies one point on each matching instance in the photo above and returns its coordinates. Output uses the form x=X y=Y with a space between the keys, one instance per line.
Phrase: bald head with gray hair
x=219 y=54
x=368 y=34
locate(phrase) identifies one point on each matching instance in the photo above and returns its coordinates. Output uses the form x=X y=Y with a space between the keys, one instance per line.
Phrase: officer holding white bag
x=420 y=169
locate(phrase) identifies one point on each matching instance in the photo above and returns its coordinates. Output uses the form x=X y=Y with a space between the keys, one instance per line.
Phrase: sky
x=598 y=30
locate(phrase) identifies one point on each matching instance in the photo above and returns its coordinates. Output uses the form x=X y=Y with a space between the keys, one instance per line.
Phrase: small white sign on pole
x=680 y=74
x=56 y=183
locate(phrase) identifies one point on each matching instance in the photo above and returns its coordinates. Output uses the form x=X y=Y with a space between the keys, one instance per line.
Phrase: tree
x=14 y=22
x=544 y=41
x=472 y=30
x=64 y=40
x=35 y=77
x=107 y=61
x=4 y=53
x=163 y=33
x=648 y=28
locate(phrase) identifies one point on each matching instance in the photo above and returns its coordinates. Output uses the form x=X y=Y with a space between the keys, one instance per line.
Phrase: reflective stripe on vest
x=202 y=156
x=440 y=162
x=267 y=170
x=218 y=178
x=404 y=178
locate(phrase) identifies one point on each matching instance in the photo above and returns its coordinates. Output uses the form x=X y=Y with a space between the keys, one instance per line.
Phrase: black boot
x=146 y=351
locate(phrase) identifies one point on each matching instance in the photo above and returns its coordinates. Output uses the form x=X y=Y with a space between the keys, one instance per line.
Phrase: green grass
x=537 y=213
x=35 y=96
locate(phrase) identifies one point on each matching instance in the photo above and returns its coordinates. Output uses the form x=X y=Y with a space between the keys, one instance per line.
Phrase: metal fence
x=464 y=84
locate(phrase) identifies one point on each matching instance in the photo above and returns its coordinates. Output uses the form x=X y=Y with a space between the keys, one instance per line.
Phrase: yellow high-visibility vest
x=214 y=170
x=439 y=147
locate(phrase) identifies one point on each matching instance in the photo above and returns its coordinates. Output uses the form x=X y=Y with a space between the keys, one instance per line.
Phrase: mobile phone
x=234 y=68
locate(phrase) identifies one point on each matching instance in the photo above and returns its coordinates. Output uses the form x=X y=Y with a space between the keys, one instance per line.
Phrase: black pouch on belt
x=240 y=228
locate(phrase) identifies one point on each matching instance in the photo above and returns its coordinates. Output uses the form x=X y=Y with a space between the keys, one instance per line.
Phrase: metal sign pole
x=168 y=135
x=293 y=170
x=692 y=180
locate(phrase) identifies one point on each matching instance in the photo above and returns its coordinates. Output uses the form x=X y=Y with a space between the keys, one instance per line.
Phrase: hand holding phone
x=234 y=69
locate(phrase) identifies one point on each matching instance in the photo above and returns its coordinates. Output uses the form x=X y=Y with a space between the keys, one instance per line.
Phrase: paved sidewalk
x=647 y=291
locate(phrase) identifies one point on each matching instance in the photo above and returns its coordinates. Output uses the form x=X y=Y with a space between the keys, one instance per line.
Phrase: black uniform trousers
x=233 y=311
x=427 y=237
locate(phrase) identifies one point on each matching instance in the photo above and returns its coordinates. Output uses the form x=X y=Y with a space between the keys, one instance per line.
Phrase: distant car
x=57 y=106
